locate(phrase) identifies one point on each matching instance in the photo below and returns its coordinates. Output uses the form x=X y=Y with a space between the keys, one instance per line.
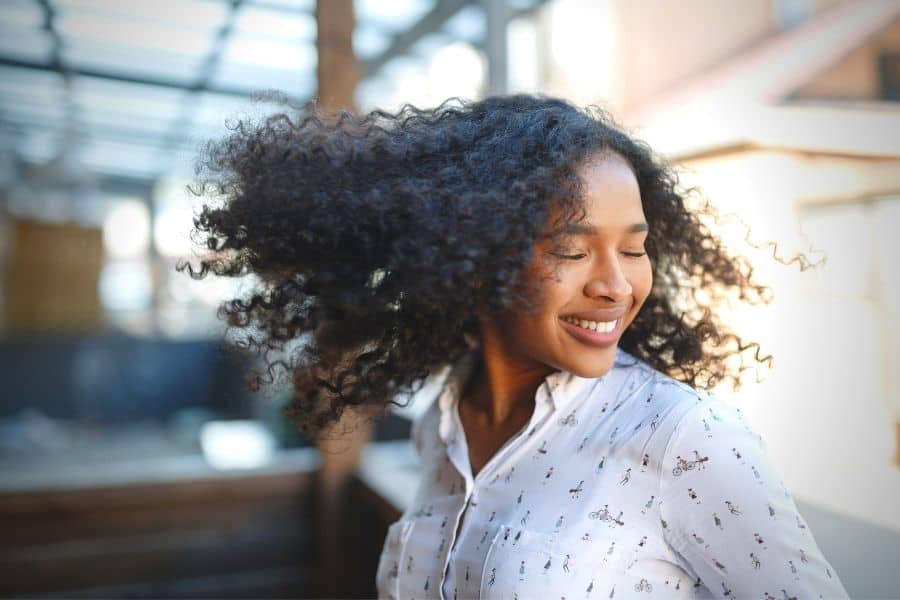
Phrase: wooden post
x=338 y=73
x=338 y=70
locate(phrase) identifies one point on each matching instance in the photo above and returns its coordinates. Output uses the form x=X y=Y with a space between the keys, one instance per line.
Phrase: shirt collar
x=564 y=387
x=559 y=387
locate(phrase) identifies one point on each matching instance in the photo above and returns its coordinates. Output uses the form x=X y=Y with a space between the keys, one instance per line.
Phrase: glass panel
x=429 y=45
x=369 y=41
x=29 y=79
x=127 y=99
x=118 y=158
x=212 y=110
x=394 y=16
x=299 y=83
x=403 y=79
x=207 y=14
x=107 y=123
x=275 y=23
x=41 y=113
x=29 y=44
x=21 y=13
x=299 y=5
x=180 y=159
x=157 y=63
x=468 y=24
x=140 y=97
x=25 y=92
x=140 y=34
x=294 y=56
x=524 y=4
x=23 y=99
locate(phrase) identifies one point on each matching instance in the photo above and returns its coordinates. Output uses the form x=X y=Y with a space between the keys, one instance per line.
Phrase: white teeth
x=600 y=327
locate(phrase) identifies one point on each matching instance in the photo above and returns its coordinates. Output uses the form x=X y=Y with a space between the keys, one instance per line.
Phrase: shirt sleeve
x=729 y=517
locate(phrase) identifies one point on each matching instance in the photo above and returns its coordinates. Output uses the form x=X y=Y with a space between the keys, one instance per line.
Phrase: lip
x=594 y=338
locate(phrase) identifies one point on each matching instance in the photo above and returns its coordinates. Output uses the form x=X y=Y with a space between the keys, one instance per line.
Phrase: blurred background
x=132 y=461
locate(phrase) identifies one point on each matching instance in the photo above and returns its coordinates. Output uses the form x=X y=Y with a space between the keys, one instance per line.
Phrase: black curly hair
x=375 y=238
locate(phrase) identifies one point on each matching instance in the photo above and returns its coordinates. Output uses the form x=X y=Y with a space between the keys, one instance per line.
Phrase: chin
x=594 y=368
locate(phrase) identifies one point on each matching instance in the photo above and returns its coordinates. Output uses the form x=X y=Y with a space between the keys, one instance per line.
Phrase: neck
x=504 y=384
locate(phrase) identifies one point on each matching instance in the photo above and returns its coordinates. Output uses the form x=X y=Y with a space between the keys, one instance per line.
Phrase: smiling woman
x=551 y=259
x=594 y=278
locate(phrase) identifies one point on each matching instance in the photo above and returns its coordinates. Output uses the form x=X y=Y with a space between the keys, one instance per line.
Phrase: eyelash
x=578 y=256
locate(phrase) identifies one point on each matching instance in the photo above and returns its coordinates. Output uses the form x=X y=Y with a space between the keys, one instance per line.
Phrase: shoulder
x=713 y=421
x=712 y=435
x=684 y=411
x=673 y=400
x=630 y=368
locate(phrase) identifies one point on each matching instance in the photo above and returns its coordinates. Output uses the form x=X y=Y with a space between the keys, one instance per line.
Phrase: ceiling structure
x=137 y=86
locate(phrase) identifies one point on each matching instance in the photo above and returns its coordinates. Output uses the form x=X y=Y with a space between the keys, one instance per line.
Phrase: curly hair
x=375 y=237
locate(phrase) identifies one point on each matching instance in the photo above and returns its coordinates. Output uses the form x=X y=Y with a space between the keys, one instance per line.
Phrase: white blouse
x=630 y=485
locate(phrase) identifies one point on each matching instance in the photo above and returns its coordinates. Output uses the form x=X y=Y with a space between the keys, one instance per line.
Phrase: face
x=596 y=279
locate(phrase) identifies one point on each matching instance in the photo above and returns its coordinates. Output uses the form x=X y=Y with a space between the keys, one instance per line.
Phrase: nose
x=607 y=279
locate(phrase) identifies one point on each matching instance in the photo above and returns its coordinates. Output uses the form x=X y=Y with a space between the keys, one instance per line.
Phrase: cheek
x=548 y=287
x=643 y=281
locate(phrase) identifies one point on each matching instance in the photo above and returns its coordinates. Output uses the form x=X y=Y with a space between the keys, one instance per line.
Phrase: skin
x=520 y=350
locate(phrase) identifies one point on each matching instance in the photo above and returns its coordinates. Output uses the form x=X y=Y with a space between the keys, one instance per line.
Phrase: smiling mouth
x=602 y=335
x=597 y=326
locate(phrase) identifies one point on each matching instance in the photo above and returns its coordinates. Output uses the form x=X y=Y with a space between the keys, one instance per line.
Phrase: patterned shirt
x=629 y=485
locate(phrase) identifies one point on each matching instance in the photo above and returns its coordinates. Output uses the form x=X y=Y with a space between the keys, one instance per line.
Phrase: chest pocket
x=391 y=562
x=527 y=564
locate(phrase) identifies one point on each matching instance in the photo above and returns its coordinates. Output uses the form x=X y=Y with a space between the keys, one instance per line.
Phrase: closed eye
x=580 y=256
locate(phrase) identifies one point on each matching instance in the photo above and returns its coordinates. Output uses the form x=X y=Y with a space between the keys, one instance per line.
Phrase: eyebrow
x=585 y=229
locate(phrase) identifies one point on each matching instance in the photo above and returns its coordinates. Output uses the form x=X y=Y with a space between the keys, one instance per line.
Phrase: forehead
x=610 y=196
x=610 y=189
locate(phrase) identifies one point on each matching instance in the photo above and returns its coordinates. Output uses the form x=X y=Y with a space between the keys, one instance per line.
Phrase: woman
x=547 y=256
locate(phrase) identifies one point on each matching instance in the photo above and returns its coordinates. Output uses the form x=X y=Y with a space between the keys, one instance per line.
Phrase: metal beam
x=402 y=43
x=442 y=12
x=497 y=17
x=110 y=133
x=275 y=7
x=218 y=47
x=123 y=77
x=56 y=49
x=527 y=10
x=189 y=104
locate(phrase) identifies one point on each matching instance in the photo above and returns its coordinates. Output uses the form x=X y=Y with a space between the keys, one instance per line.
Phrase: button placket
x=453 y=540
